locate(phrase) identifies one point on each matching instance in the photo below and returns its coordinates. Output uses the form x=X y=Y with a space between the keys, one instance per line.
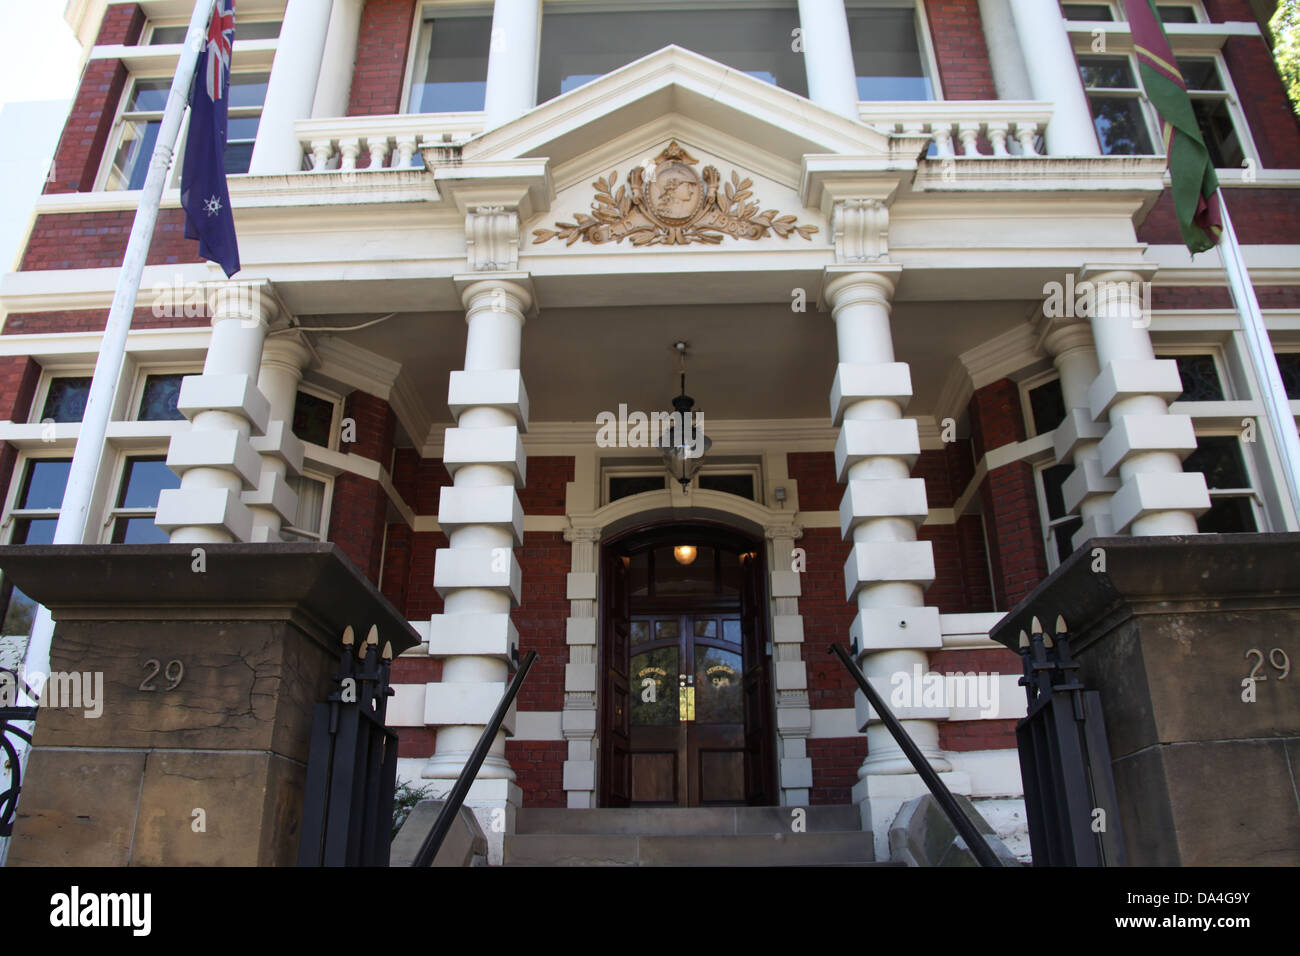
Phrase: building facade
x=940 y=329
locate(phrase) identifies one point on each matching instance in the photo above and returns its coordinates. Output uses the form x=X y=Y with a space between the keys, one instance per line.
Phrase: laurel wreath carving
x=630 y=213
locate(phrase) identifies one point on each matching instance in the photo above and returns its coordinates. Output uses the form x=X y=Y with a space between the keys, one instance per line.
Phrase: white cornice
x=1002 y=356
x=955 y=395
x=373 y=374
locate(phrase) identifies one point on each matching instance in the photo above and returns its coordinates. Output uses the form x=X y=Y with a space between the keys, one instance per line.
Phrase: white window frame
x=446 y=9
x=629 y=471
x=929 y=59
x=1116 y=8
x=111 y=511
x=146 y=35
x=42 y=393
x=1215 y=351
x=292 y=533
x=137 y=388
x=12 y=513
x=114 y=141
x=1251 y=492
x=753 y=469
x=336 y=420
x=1050 y=524
x=1026 y=409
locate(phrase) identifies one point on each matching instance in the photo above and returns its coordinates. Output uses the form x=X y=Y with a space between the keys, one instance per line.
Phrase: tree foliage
x=1285 y=27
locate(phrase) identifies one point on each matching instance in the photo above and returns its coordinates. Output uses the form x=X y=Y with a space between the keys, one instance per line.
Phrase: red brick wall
x=978 y=734
x=419 y=480
x=19 y=375
x=1012 y=528
x=991 y=660
x=815 y=473
x=835 y=763
x=422 y=601
x=92 y=320
x=544 y=560
x=958 y=37
x=539 y=768
x=544 y=493
x=826 y=617
x=77 y=158
x=357 y=521
x=416 y=741
x=97 y=240
x=1260 y=216
x=1218 y=297
x=381 y=57
x=375 y=427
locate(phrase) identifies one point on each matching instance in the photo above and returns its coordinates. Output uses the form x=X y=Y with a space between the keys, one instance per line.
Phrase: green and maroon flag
x=1190 y=168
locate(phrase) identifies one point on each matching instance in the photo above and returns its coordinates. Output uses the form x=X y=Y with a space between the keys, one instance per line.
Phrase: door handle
x=686 y=704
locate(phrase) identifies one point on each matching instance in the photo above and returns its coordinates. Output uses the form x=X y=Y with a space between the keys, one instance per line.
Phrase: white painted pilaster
x=274 y=503
x=291 y=92
x=1054 y=77
x=1145 y=445
x=789 y=673
x=215 y=458
x=478 y=576
x=512 y=60
x=580 y=679
x=339 y=59
x=828 y=56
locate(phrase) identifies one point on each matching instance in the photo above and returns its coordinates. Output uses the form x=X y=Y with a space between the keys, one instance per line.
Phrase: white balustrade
x=379 y=142
x=959 y=128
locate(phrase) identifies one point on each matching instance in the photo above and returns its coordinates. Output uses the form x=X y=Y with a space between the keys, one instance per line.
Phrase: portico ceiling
x=747 y=362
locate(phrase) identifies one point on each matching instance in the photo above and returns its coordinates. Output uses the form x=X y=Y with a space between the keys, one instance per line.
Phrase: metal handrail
x=433 y=842
x=984 y=854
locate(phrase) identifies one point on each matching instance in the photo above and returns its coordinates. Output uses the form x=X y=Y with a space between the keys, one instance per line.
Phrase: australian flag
x=204 y=197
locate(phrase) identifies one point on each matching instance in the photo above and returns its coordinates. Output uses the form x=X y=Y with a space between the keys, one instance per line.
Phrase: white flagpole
x=71 y=527
x=1277 y=407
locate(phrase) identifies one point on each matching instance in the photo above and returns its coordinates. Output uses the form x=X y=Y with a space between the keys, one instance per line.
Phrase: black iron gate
x=347 y=815
x=1065 y=759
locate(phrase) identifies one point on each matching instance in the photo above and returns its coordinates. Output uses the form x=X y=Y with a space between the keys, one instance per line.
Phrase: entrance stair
x=697 y=836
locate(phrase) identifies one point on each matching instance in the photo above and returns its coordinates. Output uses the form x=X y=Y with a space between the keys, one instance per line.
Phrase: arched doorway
x=686 y=702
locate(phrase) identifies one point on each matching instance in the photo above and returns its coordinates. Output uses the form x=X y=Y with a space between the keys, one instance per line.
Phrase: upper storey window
x=1187 y=11
x=142 y=111
x=451 y=61
x=244 y=30
x=888 y=55
x=580 y=45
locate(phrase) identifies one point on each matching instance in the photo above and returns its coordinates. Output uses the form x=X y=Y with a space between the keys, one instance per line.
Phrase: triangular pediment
x=697 y=91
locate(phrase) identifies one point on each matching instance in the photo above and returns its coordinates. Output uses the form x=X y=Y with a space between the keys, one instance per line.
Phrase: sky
x=39 y=70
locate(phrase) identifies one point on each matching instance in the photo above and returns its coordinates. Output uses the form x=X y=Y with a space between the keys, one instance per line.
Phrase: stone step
x=687 y=821
x=778 y=849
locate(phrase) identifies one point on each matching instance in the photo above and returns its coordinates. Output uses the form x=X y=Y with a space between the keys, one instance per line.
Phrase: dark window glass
x=158 y=404
x=1047 y=406
x=451 y=70
x=1219 y=133
x=1288 y=363
x=1176 y=14
x=237 y=157
x=1086 y=11
x=1053 y=479
x=579 y=47
x=1063 y=534
x=313 y=418
x=1200 y=74
x=741 y=485
x=1107 y=73
x=621 y=486
x=248 y=89
x=1227 y=516
x=149 y=96
x=165 y=35
x=46 y=480
x=34 y=530
x=1121 y=128
x=145 y=478
x=66 y=399
x=1199 y=377
x=887 y=55
x=1218 y=457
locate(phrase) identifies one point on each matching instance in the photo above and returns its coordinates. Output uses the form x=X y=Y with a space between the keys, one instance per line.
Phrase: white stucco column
x=215 y=459
x=478 y=576
x=1054 y=76
x=512 y=60
x=888 y=569
x=1145 y=445
x=578 y=722
x=1078 y=438
x=1010 y=76
x=339 y=59
x=828 y=56
x=274 y=503
x=292 y=89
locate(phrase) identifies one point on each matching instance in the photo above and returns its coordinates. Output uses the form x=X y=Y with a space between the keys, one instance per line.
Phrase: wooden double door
x=687 y=695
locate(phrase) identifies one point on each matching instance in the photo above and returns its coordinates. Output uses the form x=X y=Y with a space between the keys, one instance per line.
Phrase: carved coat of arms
x=673 y=204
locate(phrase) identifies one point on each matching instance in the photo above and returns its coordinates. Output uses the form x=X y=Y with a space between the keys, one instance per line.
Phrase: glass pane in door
x=718 y=692
x=654 y=688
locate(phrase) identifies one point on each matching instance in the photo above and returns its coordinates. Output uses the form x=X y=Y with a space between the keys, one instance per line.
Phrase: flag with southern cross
x=1191 y=170
x=204 y=196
